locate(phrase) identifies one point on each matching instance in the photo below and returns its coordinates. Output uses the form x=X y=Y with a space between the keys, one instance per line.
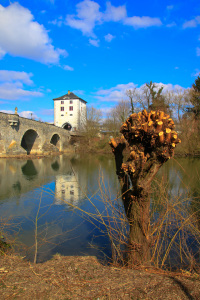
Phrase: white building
x=70 y=112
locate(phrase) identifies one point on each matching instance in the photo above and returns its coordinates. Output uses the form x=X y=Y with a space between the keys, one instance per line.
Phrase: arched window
x=67 y=126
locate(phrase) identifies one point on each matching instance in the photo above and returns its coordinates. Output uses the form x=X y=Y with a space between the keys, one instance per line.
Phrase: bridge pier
x=21 y=136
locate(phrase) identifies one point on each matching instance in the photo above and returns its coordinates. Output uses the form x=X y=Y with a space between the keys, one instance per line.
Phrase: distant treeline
x=183 y=105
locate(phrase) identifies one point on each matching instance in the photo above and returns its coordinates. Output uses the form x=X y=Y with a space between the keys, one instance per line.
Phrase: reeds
x=175 y=228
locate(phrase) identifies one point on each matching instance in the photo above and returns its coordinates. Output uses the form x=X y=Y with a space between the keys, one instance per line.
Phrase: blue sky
x=98 y=49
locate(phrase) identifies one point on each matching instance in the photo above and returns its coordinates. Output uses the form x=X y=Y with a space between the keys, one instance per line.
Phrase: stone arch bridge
x=21 y=136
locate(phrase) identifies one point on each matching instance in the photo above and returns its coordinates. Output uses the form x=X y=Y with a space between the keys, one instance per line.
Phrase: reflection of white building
x=69 y=189
x=70 y=112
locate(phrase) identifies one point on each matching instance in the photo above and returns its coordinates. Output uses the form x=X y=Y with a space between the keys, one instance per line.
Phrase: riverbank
x=71 y=277
x=98 y=147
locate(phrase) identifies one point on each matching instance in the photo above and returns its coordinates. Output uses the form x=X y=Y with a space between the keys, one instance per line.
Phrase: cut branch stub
x=151 y=132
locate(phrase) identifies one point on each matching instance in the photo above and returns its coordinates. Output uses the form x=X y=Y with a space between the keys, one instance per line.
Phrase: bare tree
x=112 y=124
x=177 y=100
x=94 y=117
x=122 y=110
x=152 y=97
x=150 y=141
x=132 y=94
x=117 y=116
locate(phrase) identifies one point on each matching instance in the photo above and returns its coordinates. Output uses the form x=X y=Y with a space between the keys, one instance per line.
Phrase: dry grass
x=85 y=278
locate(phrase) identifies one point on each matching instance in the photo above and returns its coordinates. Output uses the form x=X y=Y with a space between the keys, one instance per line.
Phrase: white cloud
x=109 y=37
x=192 y=23
x=114 y=94
x=28 y=114
x=2 y=53
x=117 y=93
x=79 y=92
x=7 y=111
x=142 y=22
x=115 y=14
x=172 y=24
x=68 y=68
x=170 y=7
x=14 y=91
x=9 y=76
x=21 y=36
x=88 y=15
x=94 y=42
x=24 y=114
x=196 y=73
x=12 y=86
x=58 y=22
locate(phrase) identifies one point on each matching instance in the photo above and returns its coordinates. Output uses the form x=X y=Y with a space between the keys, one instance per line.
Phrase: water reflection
x=55 y=166
x=17 y=187
x=70 y=189
x=29 y=170
x=63 y=182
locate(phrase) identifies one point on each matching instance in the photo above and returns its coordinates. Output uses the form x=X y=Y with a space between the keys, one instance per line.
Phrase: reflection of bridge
x=21 y=176
x=24 y=136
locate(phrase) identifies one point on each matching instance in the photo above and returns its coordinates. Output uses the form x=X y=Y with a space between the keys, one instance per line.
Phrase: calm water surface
x=49 y=190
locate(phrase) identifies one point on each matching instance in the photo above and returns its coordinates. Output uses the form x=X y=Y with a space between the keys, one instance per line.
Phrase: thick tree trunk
x=139 y=221
x=137 y=207
x=151 y=142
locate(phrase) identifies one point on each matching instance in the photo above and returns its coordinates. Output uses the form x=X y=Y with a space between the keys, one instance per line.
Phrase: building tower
x=70 y=112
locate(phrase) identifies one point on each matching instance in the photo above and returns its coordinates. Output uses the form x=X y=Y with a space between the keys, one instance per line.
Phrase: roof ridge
x=69 y=96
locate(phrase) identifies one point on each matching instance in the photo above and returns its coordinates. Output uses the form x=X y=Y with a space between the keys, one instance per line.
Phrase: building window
x=71 y=108
x=71 y=192
x=62 y=102
x=62 y=115
x=71 y=102
x=62 y=108
x=71 y=115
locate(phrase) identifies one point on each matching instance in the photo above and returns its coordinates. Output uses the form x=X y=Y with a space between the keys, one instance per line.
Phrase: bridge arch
x=55 y=140
x=30 y=141
x=67 y=126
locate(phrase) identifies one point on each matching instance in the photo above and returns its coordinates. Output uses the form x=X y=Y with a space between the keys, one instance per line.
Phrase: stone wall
x=21 y=136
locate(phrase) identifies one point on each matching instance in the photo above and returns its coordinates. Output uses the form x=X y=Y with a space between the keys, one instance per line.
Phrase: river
x=53 y=201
